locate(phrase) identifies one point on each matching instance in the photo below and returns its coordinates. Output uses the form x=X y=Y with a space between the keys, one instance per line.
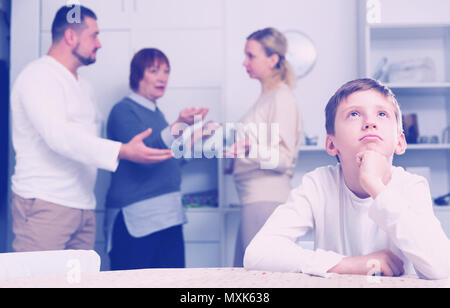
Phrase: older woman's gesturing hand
x=187 y=117
x=192 y=115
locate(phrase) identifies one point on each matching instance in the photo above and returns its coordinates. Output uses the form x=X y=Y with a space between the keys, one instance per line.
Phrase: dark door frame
x=4 y=138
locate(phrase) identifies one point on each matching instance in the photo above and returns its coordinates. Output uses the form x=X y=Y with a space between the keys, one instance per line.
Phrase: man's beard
x=83 y=60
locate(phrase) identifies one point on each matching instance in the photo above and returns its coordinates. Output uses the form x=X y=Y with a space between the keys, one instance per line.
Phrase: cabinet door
x=443 y=214
x=111 y=14
x=159 y=14
x=196 y=56
x=202 y=255
x=202 y=239
x=411 y=11
x=202 y=227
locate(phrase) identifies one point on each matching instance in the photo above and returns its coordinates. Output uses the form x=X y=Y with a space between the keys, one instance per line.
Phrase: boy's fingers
x=397 y=262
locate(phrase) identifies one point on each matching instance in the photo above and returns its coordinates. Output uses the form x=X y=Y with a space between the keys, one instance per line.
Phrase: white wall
x=331 y=24
x=229 y=92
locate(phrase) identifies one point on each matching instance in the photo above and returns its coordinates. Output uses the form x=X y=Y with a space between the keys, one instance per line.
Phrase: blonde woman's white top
x=273 y=125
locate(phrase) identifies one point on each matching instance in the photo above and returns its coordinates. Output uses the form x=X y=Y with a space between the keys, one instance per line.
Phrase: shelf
x=407 y=26
x=430 y=88
x=206 y=209
x=428 y=146
x=408 y=31
x=311 y=148
x=445 y=208
x=436 y=208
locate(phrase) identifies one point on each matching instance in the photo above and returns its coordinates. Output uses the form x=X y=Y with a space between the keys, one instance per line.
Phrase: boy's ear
x=401 y=145
x=330 y=147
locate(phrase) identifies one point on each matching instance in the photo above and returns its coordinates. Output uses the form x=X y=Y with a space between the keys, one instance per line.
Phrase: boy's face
x=365 y=121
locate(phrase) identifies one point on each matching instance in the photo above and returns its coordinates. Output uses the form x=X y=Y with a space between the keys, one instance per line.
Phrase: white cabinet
x=443 y=213
x=195 y=54
x=415 y=47
x=176 y=14
x=408 y=11
x=202 y=237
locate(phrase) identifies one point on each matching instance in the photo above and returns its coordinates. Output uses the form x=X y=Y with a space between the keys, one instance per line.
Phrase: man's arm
x=136 y=151
x=48 y=115
x=138 y=144
x=42 y=100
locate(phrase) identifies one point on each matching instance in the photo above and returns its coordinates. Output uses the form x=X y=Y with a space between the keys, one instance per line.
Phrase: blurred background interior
x=404 y=43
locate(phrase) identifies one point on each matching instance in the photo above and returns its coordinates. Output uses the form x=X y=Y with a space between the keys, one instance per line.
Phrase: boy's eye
x=353 y=114
x=382 y=114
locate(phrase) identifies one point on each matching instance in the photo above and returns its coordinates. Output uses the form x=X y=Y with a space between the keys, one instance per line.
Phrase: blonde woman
x=263 y=179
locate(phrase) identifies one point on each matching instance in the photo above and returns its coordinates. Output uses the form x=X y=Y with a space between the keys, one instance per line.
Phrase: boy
x=368 y=216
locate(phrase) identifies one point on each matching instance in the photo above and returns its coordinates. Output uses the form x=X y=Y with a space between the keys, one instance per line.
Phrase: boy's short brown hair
x=351 y=87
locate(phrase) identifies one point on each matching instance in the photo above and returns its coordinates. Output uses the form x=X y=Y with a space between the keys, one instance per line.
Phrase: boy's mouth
x=371 y=137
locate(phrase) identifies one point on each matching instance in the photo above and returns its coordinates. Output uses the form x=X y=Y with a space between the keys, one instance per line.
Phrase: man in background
x=55 y=132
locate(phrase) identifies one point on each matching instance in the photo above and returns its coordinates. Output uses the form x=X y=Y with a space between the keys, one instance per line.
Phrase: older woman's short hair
x=142 y=60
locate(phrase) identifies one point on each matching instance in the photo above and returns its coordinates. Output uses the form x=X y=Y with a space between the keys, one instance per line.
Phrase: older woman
x=145 y=212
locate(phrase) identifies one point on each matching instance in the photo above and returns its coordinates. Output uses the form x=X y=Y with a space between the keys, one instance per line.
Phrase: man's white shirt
x=55 y=133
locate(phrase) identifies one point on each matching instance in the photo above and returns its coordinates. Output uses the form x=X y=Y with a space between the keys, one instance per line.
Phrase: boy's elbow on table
x=251 y=257
x=437 y=271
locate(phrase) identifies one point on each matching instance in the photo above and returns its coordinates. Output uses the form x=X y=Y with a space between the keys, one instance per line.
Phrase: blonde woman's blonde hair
x=274 y=42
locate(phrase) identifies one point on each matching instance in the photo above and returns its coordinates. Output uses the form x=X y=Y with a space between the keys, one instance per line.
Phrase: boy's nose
x=368 y=125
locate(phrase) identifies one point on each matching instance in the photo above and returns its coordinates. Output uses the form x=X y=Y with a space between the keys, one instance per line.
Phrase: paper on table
x=29 y=264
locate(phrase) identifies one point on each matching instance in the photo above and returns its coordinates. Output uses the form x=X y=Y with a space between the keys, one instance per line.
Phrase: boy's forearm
x=352 y=266
x=346 y=266
x=382 y=262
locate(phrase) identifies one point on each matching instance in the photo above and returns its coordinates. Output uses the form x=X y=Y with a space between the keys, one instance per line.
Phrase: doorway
x=5 y=13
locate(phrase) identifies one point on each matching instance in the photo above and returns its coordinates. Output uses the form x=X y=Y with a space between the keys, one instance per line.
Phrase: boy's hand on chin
x=374 y=171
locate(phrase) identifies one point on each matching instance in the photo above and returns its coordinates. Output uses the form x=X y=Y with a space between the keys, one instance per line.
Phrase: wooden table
x=215 y=278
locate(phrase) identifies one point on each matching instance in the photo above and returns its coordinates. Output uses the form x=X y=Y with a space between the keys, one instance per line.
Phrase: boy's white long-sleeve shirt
x=401 y=219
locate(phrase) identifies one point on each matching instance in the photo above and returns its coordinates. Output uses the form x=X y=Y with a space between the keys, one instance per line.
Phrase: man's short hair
x=142 y=60
x=363 y=84
x=72 y=17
